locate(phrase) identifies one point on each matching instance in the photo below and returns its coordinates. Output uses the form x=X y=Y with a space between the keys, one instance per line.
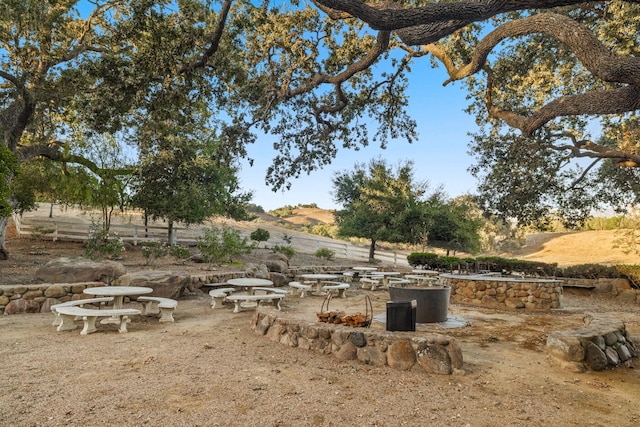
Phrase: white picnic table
x=317 y=279
x=248 y=283
x=118 y=293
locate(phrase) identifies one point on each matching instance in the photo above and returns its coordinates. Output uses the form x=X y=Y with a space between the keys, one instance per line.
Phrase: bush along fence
x=52 y=229
x=510 y=266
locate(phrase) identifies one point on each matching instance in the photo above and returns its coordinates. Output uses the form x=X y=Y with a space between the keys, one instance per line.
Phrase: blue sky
x=439 y=154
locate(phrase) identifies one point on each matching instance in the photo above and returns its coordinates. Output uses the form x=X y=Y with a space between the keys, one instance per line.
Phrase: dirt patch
x=209 y=369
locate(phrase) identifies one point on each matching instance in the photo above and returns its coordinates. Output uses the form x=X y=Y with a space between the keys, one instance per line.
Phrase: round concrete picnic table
x=118 y=293
x=426 y=272
x=360 y=268
x=318 y=278
x=421 y=278
x=247 y=283
x=385 y=275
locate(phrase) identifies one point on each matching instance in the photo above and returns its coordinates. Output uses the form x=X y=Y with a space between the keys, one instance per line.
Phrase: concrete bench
x=219 y=296
x=76 y=303
x=341 y=287
x=165 y=305
x=269 y=290
x=369 y=283
x=238 y=299
x=300 y=288
x=89 y=316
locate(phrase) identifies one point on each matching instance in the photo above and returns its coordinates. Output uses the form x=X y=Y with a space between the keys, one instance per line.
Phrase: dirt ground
x=209 y=369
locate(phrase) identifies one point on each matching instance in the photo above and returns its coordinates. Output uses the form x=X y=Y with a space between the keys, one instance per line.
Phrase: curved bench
x=301 y=288
x=370 y=283
x=165 y=305
x=270 y=290
x=341 y=287
x=238 y=299
x=69 y=313
x=76 y=303
x=219 y=296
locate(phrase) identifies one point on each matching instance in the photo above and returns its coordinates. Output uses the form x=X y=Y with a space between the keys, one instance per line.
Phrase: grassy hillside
x=562 y=248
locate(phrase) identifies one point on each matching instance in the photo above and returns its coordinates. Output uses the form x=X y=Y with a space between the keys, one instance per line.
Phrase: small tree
x=219 y=245
x=260 y=235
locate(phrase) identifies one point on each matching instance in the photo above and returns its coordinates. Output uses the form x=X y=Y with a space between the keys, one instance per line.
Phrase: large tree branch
x=55 y=153
x=429 y=23
x=596 y=57
x=614 y=101
x=214 y=40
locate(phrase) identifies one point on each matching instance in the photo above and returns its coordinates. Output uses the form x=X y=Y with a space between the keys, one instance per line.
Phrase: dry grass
x=585 y=247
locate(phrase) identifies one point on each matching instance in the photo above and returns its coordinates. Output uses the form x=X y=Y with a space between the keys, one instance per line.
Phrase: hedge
x=530 y=268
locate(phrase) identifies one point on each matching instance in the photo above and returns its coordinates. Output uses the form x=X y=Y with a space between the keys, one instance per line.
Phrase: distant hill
x=301 y=216
x=563 y=248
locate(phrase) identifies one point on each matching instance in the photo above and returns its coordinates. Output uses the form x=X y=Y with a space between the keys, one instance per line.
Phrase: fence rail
x=135 y=234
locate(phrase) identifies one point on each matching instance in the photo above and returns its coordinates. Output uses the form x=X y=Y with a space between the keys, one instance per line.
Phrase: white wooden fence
x=50 y=228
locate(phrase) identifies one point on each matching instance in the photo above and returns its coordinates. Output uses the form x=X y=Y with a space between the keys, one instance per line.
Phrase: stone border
x=491 y=291
x=430 y=353
x=603 y=343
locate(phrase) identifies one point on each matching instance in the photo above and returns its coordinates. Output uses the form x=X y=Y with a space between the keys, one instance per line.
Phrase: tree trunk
x=4 y=223
x=172 y=234
x=372 y=250
x=51 y=210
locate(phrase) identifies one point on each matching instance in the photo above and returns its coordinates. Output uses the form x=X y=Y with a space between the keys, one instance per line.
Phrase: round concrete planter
x=432 y=301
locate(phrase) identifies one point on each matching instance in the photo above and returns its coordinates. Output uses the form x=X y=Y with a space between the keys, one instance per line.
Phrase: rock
x=165 y=284
x=278 y=279
x=565 y=346
x=514 y=303
x=400 y=355
x=595 y=358
x=434 y=359
x=55 y=291
x=276 y=264
x=372 y=355
x=347 y=351
x=612 y=356
x=358 y=339
x=628 y=296
x=79 y=269
x=258 y=271
x=623 y=352
x=22 y=306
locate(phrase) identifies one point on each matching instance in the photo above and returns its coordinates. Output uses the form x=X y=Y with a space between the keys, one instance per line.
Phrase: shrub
x=153 y=250
x=422 y=259
x=287 y=251
x=260 y=235
x=179 y=252
x=325 y=253
x=222 y=244
x=631 y=273
x=101 y=244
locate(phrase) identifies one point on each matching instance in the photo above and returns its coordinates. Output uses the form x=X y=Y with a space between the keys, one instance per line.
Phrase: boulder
x=79 y=269
x=21 y=305
x=165 y=284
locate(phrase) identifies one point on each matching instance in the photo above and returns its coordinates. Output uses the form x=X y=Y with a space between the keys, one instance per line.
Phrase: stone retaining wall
x=603 y=343
x=38 y=298
x=489 y=291
x=431 y=353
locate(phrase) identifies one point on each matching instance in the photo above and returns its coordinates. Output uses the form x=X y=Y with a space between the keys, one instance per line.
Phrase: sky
x=439 y=153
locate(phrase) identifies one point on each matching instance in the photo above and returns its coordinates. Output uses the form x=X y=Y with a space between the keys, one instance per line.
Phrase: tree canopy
x=540 y=74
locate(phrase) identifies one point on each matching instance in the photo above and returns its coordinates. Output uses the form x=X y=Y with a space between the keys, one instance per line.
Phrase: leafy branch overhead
x=328 y=75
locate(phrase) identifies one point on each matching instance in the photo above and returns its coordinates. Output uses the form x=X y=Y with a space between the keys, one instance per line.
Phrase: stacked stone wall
x=602 y=343
x=431 y=353
x=485 y=291
x=38 y=298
